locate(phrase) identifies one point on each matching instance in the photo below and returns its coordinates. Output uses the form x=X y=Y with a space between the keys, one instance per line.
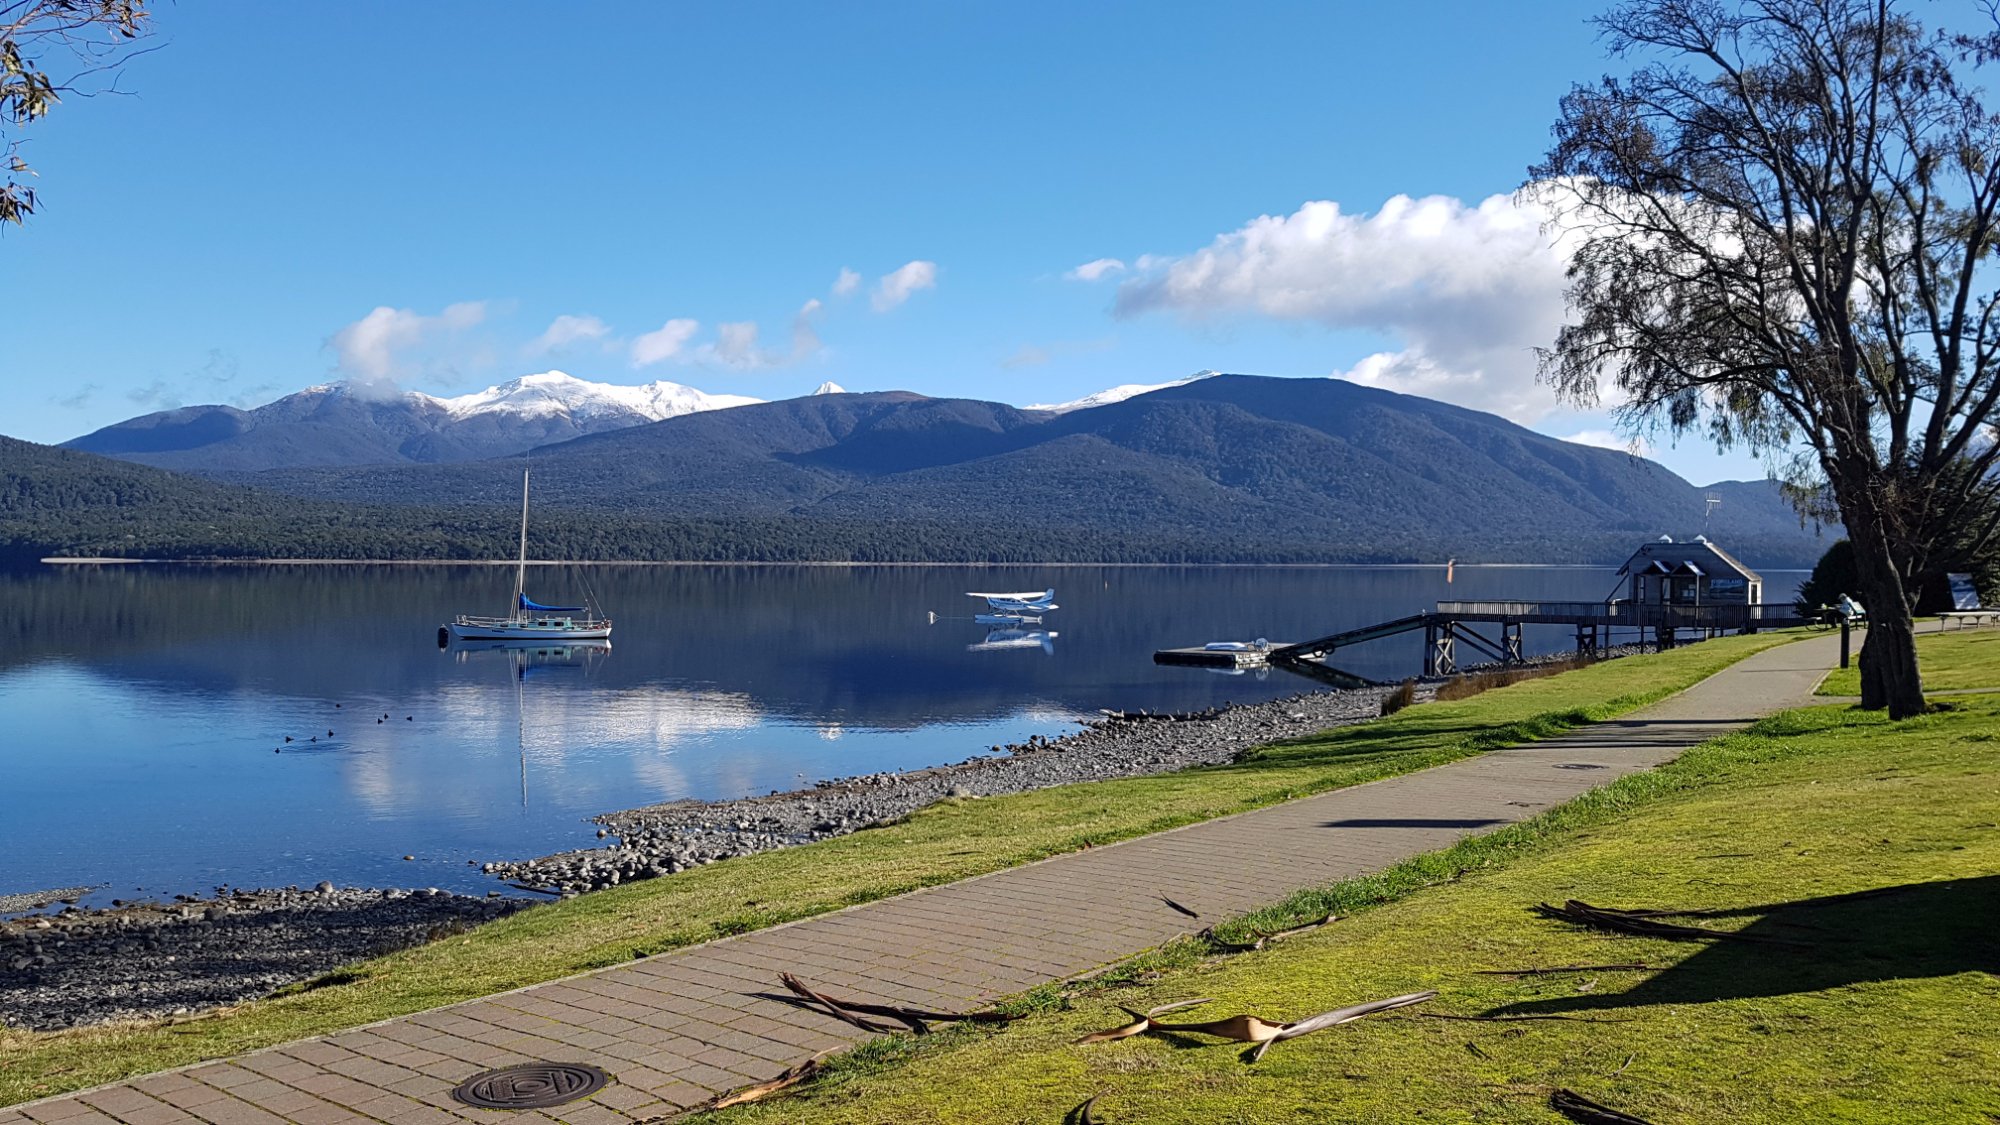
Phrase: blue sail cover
x=529 y=605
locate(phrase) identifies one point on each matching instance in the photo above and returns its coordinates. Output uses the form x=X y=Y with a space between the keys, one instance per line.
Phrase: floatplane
x=1023 y=608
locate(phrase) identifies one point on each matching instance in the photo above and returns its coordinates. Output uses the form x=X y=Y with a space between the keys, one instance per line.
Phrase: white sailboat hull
x=528 y=629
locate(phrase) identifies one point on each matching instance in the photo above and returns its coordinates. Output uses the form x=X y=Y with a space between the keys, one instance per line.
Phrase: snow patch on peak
x=560 y=393
x=1116 y=394
x=829 y=388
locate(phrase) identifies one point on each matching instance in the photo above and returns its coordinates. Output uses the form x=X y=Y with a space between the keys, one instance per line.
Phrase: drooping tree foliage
x=1832 y=576
x=1782 y=233
x=49 y=48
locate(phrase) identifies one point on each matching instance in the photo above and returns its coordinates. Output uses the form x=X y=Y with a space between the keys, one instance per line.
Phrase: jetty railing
x=1721 y=615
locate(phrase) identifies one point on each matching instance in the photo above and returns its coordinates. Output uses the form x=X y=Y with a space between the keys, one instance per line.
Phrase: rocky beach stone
x=149 y=960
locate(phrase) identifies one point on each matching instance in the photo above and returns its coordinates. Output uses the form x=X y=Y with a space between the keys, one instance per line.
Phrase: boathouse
x=1693 y=573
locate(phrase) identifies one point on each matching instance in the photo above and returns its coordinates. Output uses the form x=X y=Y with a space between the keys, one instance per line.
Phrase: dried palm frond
x=762 y=1090
x=1248 y=1028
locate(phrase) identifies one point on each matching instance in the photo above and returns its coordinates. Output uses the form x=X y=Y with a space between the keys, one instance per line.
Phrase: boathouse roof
x=1697 y=556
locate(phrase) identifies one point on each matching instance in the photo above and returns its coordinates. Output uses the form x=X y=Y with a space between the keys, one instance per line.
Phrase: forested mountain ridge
x=1226 y=468
x=59 y=502
x=1362 y=473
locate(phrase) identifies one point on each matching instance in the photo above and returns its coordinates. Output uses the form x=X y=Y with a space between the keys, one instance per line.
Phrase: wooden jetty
x=1670 y=589
x=1492 y=629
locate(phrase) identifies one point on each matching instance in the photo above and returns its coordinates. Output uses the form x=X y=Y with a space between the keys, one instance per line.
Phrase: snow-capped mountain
x=1115 y=394
x=560 y=393
x=348 y=424
x=340 y=424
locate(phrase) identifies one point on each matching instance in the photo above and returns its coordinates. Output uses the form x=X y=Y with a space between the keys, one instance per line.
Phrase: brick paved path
x=676 y=1028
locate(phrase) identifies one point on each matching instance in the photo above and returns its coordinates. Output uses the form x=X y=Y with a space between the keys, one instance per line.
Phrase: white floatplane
x=530 y=619
x=1029 y=602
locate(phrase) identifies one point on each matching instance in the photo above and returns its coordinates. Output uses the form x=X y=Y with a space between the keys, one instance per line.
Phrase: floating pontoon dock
x=1204 y=657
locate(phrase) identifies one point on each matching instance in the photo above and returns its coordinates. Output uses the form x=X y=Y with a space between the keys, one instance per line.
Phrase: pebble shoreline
x=665 y=839
x=150 y=960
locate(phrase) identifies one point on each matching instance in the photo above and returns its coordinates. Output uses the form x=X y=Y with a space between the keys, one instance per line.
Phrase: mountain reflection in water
x=144 y=704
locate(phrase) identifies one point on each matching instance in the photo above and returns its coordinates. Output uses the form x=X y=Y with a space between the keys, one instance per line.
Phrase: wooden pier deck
x=1453 y=622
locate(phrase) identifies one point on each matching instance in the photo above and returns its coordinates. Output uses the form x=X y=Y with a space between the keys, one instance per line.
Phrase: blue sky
x=414 y=194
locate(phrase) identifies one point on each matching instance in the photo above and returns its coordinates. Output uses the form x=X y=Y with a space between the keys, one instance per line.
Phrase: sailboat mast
x=521 y=568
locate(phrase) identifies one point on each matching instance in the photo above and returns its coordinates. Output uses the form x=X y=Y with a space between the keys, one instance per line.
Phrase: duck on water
x=529 y=620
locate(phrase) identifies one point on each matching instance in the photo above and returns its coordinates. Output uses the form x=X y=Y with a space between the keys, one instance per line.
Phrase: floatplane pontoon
x=530 y=619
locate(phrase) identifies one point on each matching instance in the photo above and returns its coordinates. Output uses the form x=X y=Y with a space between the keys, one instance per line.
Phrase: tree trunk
x=1889 y=675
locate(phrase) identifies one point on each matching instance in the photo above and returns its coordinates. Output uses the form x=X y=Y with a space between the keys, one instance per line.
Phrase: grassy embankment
x=1963 y=659
x=1875 y=1009
x=947 y=842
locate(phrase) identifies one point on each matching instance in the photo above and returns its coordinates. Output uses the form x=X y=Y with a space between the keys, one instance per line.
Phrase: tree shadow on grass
x=1411 y=822
x=1904 y=932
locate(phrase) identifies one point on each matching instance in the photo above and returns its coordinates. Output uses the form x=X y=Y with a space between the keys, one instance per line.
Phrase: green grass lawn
x=947 y=842
x=1954 y=661
x=1878 y=1009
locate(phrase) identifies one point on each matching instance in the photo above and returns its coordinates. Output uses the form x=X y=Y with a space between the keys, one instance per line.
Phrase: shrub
x=1471 y=684
x=1404 y=695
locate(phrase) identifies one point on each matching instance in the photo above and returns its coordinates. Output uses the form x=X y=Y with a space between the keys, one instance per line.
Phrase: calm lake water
x=142 y=705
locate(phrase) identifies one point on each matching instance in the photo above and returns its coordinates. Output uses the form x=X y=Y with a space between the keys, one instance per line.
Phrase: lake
x=147 y=707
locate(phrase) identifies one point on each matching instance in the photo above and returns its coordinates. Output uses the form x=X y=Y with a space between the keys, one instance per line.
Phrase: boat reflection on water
x=997 y=639
x=527 y=654
x=1260 y=673
x=525 y=657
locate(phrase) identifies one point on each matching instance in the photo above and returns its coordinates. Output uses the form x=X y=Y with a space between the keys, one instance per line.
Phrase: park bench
x=1966 y=611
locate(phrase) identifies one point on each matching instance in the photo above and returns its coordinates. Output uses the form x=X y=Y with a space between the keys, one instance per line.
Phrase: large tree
x=1782 y=229
x=49 y=48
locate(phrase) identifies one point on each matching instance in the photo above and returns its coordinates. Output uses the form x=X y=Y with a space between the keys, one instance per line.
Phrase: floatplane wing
x=1023 y=596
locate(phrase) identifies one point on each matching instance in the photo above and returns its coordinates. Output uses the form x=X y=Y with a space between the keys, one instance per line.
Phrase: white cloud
x=1469 y=291
x=565 y=330
x=370 y=351
x=664 y=342
x=1028 y=355
x=1034 y=355
x=805 y=340
x=894 y=288
x=1606 y=439
x=846 y=283
x=1095 y=270
x=737 y=343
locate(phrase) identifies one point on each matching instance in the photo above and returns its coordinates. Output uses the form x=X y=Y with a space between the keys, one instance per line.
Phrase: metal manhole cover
x=530 y=1086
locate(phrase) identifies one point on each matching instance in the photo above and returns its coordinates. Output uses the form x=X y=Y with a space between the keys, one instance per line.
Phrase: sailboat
x=530 y=620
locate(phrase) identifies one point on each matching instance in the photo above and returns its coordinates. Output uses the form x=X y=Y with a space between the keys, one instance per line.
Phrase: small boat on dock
x=1220 y=654
x=529 y=620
